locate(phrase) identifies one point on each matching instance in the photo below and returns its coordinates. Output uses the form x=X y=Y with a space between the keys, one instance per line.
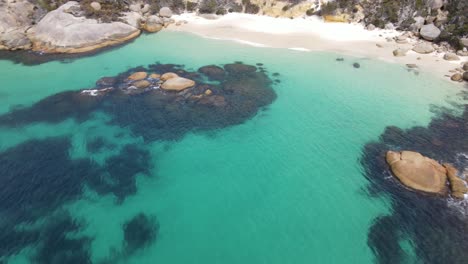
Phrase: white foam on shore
x=299 y=49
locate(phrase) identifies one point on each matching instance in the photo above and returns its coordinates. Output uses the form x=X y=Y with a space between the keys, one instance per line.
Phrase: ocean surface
x=284 y=186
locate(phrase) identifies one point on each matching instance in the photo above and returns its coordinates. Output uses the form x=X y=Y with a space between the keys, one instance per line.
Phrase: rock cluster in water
x=161 y=101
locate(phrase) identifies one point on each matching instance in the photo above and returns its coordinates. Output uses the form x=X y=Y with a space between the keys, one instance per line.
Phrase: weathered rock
x=137 y=76
x=462 y=53
x=132 y=18
x=402 y=39
x=389 y=26
x=451 y=56
x=457 y=185
x=154 y=76
x=423 y=48
x=465 y=66
x=429 y=32
x=412 y=66
x=153 y=24
x=213 y=72
x=96 y=6
x=168 y=75
x=356 y=65
x=418 y=172
x=62 y=32
x=464 y=42
x=400 y=52
x=457 y=77
x=177 y=84
x=141 y=84
x=15 y=18
x=145 y=9
x=370 y=27
x=165 y=12
x=135 y=7
x=418 y=23
x=465 y=76
x=436 y=4
x=208 y=92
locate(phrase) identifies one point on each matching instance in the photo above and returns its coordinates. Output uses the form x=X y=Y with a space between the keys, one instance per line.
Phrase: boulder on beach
x=137 y=76
x=429 y=32
x=457 y=77
x=451 y=56
x=64 y=31
x=418 y=172
x=165 y=12
x=400 y=52
x=96 y=6
x=465 y=66
x=465 y=76
x=423 y=48
x=177 y=84
x=153 y=24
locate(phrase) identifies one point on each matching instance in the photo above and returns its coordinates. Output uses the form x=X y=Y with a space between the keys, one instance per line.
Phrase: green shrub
x=208 y=7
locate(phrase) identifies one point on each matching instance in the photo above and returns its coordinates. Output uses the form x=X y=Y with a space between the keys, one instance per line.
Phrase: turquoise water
x=283 y=187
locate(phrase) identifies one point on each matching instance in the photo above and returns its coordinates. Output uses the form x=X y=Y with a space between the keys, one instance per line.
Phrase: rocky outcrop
x=153 y=24
x=418 y=172
x=429 y=32
x=16 y=17
x=421 y=173
x=60 y=31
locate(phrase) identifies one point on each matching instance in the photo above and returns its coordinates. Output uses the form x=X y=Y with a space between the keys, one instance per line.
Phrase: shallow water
x=286 y=186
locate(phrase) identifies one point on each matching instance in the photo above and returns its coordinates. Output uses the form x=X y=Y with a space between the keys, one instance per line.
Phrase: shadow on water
x=436 y=229
x=41 y=176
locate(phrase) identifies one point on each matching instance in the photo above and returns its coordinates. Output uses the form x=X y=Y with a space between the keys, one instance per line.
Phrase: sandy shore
x=312 y=34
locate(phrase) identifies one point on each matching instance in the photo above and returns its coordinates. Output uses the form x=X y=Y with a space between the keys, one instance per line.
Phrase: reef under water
x=221 y=97
x=435 y=226
x=42 y=176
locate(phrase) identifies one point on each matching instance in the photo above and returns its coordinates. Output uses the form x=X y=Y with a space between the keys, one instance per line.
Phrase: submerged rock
x=213 y=72
x=418 y=172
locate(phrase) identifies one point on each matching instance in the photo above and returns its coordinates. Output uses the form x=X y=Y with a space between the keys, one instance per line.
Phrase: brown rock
x=418 y=172
x=141 y=84
x=457 y=185
x=137 y=76
x=208 y=92
x=154 y=76
x=168 y=75
x=177 y=84
x=457 y=77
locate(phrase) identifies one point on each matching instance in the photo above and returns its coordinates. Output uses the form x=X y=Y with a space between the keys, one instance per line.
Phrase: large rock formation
x=424 y=174
x=418 y=172
x=64 y=31
x=15 y=19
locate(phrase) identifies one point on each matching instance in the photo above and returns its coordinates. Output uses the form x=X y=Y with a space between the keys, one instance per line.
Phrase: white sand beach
x=312 y=34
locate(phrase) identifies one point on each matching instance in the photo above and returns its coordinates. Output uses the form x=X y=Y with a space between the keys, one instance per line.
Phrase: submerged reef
x=437 y=227
x=160 y=102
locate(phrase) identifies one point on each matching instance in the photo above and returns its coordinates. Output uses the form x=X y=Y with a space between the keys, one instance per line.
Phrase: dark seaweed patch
x=438 y=232
x=39 y=176
x=154 y=113
x=140 y=232
x=98 y=144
